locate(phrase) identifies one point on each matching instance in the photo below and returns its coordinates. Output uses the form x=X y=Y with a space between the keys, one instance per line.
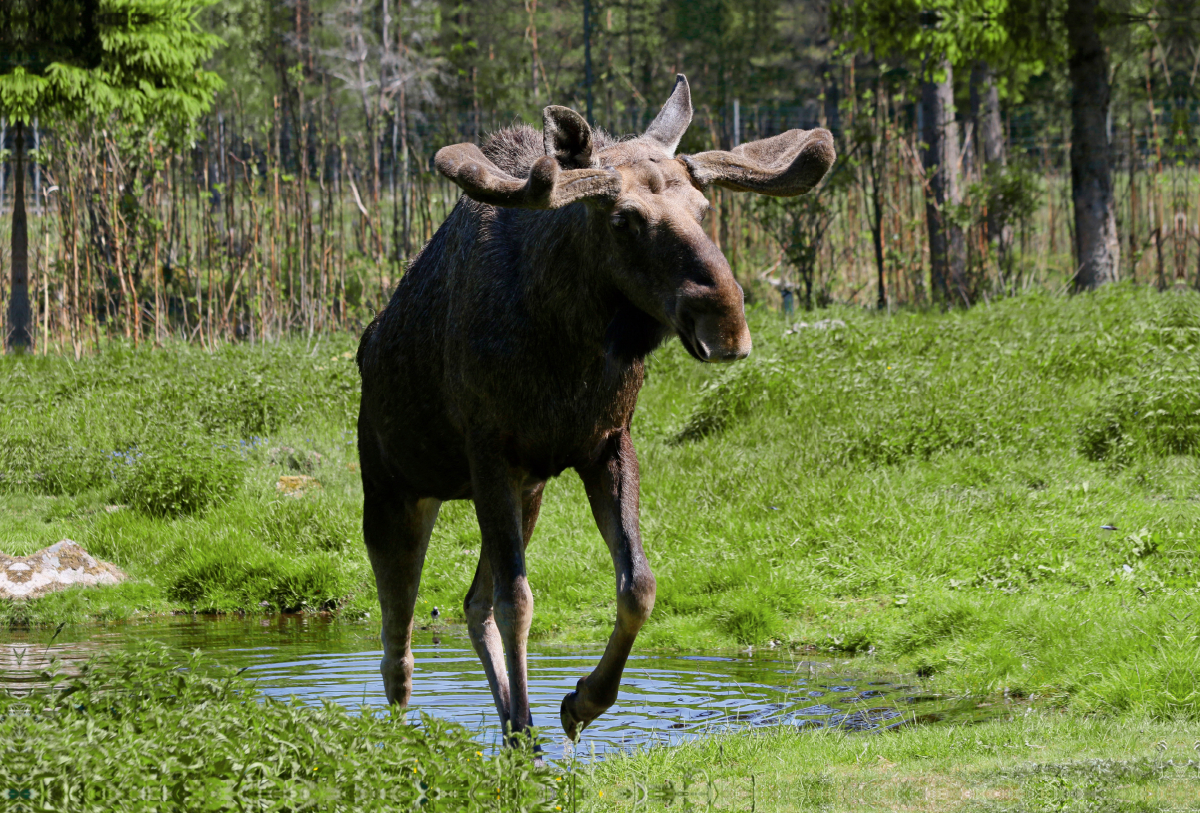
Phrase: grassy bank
x=1002 y=500
x=1038 y=762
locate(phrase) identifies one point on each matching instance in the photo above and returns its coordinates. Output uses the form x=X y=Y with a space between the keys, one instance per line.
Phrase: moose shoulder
x=513 y=349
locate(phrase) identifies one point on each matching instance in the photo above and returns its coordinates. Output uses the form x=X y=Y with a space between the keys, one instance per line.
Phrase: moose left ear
x=785 y=165
x=568 y=138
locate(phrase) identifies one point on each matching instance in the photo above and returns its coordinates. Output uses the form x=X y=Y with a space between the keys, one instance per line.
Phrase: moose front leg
x=612 y=489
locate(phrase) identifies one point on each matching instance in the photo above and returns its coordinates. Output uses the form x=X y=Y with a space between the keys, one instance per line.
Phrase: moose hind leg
x=612 y=489
x=481 y=622
x=497 y=490
x=397 y=529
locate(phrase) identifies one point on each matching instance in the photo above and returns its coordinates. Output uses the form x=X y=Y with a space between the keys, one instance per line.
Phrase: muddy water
x=664 y=699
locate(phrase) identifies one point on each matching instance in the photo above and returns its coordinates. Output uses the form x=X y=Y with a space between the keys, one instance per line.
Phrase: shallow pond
x=665 y=698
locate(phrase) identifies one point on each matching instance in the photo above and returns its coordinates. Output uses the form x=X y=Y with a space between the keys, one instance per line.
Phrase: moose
x=514 y=348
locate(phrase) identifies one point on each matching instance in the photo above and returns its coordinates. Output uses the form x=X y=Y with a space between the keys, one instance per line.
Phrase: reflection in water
x=664 y=698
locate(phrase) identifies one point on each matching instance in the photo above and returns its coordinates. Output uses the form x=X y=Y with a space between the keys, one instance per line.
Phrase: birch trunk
x=947 y=246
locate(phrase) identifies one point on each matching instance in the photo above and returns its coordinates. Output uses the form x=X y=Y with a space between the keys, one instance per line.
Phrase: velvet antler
x=785 y=165
x=547 y=187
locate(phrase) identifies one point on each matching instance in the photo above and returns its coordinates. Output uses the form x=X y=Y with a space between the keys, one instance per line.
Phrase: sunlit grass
x=931 y=490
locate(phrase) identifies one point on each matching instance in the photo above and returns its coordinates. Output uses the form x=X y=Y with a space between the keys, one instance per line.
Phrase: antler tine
x=785 y=165
x=547 y=187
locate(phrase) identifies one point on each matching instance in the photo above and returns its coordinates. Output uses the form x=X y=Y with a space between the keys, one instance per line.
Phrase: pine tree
x=71 y=60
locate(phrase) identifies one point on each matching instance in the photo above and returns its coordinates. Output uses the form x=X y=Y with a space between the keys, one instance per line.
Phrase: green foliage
x=799 y=225
x=1163 y=683
x=1011 y=194
x=1031 y=759
x=213 y=580
x=751 y=620
x=175 y=480
x=1019 y=36
x=308 y=525
x=148 y=69
x=1156 y=409
x=50 y=465
x=723 y=400
x=150 y=727
x=243 y=404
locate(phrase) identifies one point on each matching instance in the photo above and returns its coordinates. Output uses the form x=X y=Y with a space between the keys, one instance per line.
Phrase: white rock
x=823 y=324
x=64 y=564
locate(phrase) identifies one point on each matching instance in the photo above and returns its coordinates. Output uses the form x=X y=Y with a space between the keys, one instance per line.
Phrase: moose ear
x=785 y=165
x=672 y=121
x=568 y=138
x=547 y=187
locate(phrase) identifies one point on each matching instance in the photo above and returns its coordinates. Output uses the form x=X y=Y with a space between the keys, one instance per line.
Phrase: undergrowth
x=151 y=729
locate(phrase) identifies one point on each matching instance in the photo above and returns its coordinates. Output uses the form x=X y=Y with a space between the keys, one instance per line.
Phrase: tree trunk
x=947 y=246
x=1096 y=244
x=19 y=317
x=989 y=134
x=587 y=57
x=833 y=121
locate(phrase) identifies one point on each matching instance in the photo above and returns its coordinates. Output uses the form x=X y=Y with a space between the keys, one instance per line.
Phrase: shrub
x=1154 y=412
x=171 y=481
x=724 y=399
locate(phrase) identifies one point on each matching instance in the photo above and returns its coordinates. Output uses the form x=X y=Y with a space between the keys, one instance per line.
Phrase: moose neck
x=566 y=269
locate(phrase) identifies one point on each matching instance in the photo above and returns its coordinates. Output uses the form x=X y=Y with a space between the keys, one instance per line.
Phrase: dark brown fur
x=513 y=349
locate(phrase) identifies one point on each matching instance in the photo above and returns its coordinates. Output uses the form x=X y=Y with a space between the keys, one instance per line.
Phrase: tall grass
x=144 y=243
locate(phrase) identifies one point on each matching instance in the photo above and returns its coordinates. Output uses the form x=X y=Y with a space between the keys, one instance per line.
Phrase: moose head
x=645 y=206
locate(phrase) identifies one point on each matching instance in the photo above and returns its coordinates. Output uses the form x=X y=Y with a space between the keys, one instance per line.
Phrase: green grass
x=1036 y=762
x=926 y=489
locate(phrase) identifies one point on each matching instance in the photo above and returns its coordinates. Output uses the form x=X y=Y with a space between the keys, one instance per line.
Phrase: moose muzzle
x=712 y=326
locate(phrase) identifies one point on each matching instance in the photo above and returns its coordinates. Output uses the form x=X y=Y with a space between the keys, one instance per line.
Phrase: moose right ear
x=568 y=138
x=547 y=187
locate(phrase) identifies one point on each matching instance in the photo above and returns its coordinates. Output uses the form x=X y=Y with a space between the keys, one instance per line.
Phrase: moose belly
x=542 y=457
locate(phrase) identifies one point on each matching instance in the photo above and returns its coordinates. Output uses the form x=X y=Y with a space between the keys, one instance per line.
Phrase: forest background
x=292 y=196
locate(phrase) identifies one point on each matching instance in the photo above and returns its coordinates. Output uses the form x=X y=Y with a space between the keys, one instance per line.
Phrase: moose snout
x=712 y=326
x=720 y=339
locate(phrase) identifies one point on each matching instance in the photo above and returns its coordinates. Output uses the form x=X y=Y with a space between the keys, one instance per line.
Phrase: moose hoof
x=577 y=711
x=397 y=680
x=571 y=723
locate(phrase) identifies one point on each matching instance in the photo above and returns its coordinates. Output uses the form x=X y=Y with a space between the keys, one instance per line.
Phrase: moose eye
x=627 y=220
